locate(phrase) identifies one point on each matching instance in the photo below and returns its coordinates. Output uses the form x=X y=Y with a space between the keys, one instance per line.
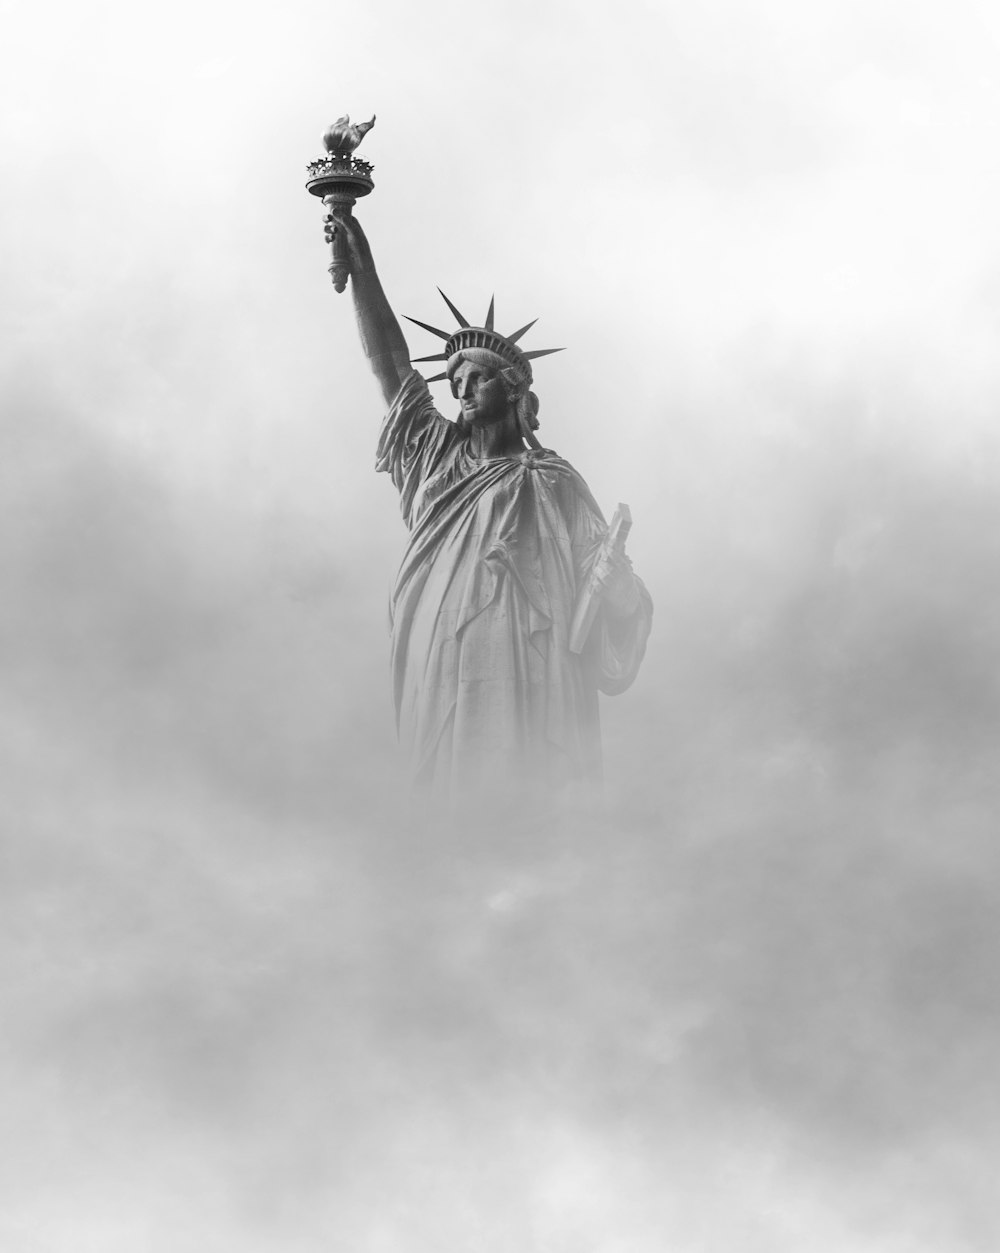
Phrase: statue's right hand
x=348 y=228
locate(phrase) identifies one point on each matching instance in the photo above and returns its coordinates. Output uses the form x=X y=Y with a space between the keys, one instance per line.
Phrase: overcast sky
x=246 y=1005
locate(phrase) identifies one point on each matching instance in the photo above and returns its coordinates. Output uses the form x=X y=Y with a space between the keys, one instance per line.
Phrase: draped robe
x=484 y=683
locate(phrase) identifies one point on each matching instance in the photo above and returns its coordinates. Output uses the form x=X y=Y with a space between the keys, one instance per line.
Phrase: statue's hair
x=516 y=387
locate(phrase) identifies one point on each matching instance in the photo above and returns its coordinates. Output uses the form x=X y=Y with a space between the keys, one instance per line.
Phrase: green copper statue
x=515 y=603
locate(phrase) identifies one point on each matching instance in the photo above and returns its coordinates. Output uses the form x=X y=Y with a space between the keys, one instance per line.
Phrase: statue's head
x=495 y=357
x=490 y=389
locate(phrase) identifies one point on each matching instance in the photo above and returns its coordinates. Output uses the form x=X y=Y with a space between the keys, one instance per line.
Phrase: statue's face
x=482 y=393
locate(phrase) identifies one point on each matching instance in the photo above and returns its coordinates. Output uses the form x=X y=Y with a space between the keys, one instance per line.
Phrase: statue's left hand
x=619 y=591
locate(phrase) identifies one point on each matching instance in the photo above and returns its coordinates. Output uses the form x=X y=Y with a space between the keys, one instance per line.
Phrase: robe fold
x=484 y=683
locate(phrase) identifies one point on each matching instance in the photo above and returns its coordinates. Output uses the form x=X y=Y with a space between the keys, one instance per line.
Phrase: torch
x=339 y=179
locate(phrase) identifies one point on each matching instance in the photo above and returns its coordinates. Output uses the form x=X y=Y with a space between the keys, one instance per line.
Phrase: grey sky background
x=247 y=1005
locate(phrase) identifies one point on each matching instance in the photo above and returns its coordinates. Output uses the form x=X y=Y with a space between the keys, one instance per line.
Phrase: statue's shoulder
x=413 y=410
x=413 y=391
x=561 y=473
x=545 y=459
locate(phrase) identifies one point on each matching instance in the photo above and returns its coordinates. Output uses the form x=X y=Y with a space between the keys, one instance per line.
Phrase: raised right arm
x=381 y=335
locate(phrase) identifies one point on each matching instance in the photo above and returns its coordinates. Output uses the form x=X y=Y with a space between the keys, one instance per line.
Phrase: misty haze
x=252 y=1001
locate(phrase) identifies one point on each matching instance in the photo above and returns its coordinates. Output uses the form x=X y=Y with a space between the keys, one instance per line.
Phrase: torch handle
x=340 y=203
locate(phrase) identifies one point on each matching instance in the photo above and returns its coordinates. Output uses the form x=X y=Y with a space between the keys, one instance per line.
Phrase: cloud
x=254 y=1000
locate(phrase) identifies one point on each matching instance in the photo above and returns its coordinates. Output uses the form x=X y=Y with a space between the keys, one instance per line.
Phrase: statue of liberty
x=514 y=604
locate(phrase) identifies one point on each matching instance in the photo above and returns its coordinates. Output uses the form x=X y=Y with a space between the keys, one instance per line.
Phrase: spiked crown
x=485 y=337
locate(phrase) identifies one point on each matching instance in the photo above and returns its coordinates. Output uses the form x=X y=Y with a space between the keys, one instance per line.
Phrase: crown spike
x=436 y=356
x=542 y=352
x=460 y=318
x=517 y=334
x=433 y=329
x=489 y=315
x=436 y=378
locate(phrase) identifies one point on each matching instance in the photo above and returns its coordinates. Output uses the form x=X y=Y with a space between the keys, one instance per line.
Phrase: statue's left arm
x=622 y=627
x=617 y=640
x=620 y=589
